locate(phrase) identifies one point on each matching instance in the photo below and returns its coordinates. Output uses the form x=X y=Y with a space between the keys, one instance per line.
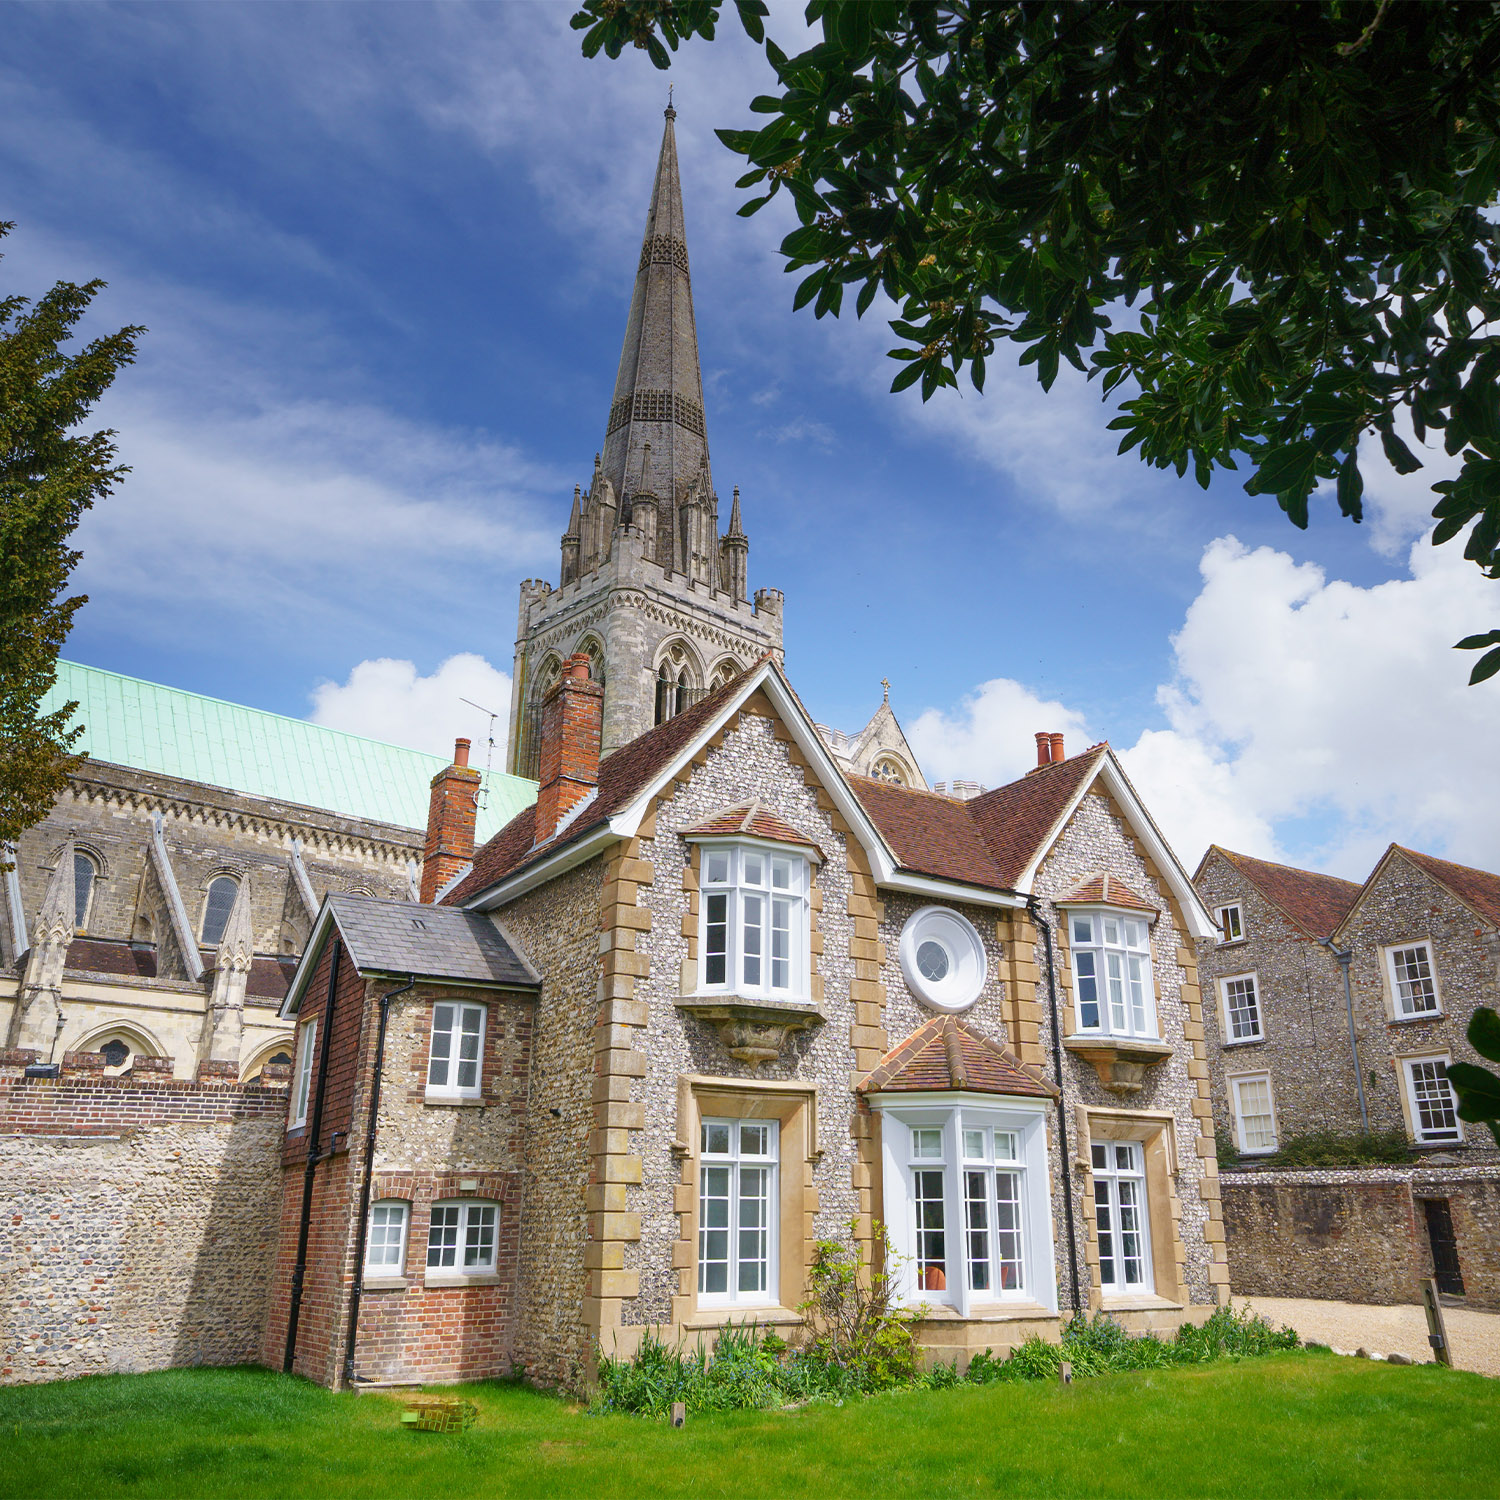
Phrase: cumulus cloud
x=390 y=700
x=991 y=735
x=1307 y=719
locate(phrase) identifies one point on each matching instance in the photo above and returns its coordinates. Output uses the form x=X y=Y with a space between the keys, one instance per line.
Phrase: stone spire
x=659 y=391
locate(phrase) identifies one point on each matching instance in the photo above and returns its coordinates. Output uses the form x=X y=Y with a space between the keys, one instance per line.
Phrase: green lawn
x=1285 y=1425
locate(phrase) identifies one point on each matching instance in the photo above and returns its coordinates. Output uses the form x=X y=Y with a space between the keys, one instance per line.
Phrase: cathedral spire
x=658 y=397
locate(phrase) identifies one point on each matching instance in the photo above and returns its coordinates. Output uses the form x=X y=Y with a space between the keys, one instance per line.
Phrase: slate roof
x=623 y=775
x=1106 y=890
x=1476 y=888
x=754 y=820
x=1316 y=903
x=986 y=841
x=432 y=942
x=148 y=727
x=946 y=1054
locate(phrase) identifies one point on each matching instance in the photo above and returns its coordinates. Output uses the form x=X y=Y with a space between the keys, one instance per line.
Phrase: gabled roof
x=1477 y=889
x=166 y=730
x=930 y=834
x=426 y=942
x=1020 y=820
x=1106 y=890
x=947 y=1054
x=750 y=820
x=623 y=775
x=1315 y=903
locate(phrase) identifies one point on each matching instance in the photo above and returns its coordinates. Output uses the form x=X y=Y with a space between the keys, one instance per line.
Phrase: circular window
x=942 y=958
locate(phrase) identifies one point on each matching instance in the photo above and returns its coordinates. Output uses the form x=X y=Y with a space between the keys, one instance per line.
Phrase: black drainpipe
x=325 y=1025
x=1062 y=1109
x=364 y=1190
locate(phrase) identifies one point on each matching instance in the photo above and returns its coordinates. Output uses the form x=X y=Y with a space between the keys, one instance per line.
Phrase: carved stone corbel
x=753 y=1032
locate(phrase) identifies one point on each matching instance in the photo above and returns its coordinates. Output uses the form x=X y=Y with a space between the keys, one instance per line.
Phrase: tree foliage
x=1262 y=224
x=50 y=473
x=1477 y=1088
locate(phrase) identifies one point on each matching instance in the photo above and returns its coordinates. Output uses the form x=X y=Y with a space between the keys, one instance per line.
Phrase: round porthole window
x=942 y=958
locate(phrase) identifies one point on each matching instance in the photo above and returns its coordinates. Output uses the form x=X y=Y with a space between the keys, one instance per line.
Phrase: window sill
x=384 y=1284
x=449 y=1279
x=987 y=1312
x=1140 y=1302
x=718 y=1315
x=453 y=1101
x=1243 y=1041
x=1421 y=1015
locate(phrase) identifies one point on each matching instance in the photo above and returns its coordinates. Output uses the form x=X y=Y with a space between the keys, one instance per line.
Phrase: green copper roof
x=162 y=729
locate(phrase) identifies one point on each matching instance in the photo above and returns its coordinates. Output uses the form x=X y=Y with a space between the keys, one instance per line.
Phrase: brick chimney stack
x=572 y=723
x=450 y=822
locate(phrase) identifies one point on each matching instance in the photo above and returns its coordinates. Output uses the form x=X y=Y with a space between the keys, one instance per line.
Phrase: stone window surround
x=1408 y=1104
x=1388 y=979
x=1156 y=1132
x=1227 y=1038
x=220 y=872
x=1230 y=1079
x=794 y=1105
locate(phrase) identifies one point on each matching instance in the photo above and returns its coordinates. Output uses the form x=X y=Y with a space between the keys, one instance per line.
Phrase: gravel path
x=1475 y=1336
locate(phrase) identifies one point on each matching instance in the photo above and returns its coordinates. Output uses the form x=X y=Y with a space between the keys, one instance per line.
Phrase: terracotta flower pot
x=934 y=1279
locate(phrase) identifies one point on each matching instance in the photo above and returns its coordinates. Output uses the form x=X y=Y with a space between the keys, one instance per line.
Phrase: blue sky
x=385 y=254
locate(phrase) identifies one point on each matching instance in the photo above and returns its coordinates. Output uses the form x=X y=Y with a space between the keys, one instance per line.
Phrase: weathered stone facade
x=126 y=974
x=138 y=1220
x=1360 y=1235
x=1304 y=1045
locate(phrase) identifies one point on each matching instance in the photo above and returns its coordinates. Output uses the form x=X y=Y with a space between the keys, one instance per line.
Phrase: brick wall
x=1358 y=1235
x=137 y=1222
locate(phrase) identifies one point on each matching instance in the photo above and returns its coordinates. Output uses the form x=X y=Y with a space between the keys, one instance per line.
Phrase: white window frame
x=1109 y=1216
x=1226 y=1011
x=453 y=1062
x=730 y=932
x=387 y=1268
x=1236 y=1107
x=469 y=1218
x=307 y=1038
x=1107 y=1023
x=959 y=954
x=1220 y=920
x=951 y=1115
x=1393 y=982
x=1409 y=1083
x=736 y=1162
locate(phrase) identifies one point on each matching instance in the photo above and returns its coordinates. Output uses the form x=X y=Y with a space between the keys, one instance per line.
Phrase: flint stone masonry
x=1359 y=1235
x=137 y=1223
x=1097 y=841
x=1304 y=1016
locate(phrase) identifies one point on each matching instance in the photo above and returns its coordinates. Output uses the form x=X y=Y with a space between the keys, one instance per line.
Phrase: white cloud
x=991 y=735
x=388 y=700
x=1308 y=719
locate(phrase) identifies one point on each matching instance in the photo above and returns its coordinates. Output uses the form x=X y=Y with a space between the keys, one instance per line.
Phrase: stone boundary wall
x=138 y=1220
x=1359 y=1234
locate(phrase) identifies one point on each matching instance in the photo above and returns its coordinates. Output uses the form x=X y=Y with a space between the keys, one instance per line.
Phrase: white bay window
x=967 y=1203
x=754 y=922
x=1113 y=990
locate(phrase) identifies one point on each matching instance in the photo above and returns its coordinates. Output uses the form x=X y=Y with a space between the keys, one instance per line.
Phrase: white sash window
x=1112 y=974
x=737 y=1198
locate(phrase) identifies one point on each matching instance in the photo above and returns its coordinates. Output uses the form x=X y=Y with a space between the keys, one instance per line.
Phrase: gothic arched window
x=221 y=893
x=887 y=769
x=676 y=683
x=84 y=873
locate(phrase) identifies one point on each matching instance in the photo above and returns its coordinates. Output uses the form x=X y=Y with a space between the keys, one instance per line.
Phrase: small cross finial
x=885 y=682
x=671 y=113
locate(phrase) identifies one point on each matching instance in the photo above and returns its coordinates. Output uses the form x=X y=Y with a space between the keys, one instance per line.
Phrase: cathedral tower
x=648 y=588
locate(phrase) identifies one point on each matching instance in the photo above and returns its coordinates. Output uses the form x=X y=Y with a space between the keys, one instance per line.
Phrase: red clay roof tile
x=946 y=1054
x=751 y=819
x=1316 y=903
x=1107 y=890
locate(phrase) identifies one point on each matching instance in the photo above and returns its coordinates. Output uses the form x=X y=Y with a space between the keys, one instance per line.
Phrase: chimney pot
x=1043 y=748
x=1057 y=748
x=460 y=752
x=577 y=666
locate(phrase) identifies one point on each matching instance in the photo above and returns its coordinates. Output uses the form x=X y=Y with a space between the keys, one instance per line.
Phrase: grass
x=1285 y=1425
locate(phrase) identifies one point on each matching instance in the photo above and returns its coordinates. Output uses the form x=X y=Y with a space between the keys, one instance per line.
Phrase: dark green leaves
x=1477 y=1088
x=1294 y=202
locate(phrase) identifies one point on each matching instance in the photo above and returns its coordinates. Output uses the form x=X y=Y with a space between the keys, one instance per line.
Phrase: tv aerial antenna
x=489 y=753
